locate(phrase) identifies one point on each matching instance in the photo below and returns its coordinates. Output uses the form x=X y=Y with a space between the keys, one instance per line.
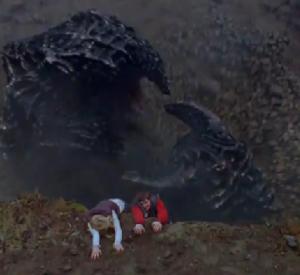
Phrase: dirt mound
x=39 y=236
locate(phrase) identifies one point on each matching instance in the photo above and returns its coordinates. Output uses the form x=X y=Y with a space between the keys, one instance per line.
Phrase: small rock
x=248 y=257
x=65 y=244
x=238 y=248
x=211 y=259
x=291 y=241
x=75 y=234
x=74 y=251
x=167 y=254
x=67 y=268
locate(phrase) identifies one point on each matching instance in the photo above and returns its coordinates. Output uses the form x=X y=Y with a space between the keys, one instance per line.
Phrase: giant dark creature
x=209 y=173
x=68 y=86
x=75 y=88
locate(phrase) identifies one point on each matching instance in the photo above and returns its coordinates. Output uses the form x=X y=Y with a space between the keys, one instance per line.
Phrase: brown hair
x=141 y=196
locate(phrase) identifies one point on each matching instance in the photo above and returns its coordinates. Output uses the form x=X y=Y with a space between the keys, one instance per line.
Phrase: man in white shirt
x=102 y=217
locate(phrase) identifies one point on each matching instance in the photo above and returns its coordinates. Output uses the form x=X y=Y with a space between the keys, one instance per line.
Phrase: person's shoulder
x=119 y=202
x=160 y=202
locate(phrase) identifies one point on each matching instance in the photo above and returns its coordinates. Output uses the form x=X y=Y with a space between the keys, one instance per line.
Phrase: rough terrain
x=219 y=53
x=47 y=237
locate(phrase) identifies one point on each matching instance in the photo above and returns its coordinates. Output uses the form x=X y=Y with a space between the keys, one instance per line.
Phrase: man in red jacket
x=147 y=205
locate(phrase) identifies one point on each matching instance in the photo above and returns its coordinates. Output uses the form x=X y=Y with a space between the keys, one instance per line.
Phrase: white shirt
x=116 y=222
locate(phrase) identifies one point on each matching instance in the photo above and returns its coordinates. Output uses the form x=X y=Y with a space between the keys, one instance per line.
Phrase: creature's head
x=84 y=72
x=99 y=53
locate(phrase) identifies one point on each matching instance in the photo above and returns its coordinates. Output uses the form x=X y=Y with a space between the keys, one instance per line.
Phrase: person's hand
x=156 y=226
x=139 y=229
x=96 y=253
x=118 y=247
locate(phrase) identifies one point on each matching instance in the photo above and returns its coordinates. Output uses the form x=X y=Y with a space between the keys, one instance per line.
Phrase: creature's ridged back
x=101 y=45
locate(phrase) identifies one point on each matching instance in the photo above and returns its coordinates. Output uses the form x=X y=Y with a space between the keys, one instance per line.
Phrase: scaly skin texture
x=210 y=174
x=73 y=88
x=223 y=171
x=74 y=85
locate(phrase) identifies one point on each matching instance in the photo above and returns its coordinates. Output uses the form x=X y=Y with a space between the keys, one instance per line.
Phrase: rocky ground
x=39 y=236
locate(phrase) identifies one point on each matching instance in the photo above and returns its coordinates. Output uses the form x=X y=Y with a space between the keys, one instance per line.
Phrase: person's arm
x=162 y=212
x=118 y=229
x=137 y=215
x=95 y=236
x=96 y=251
x=139 y=220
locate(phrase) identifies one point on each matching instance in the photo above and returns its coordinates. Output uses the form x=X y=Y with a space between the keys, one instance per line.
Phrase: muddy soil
x=38 y=236
x=41 y=236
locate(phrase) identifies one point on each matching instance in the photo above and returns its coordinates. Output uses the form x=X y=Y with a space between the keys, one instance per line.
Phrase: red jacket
x=162 y=214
